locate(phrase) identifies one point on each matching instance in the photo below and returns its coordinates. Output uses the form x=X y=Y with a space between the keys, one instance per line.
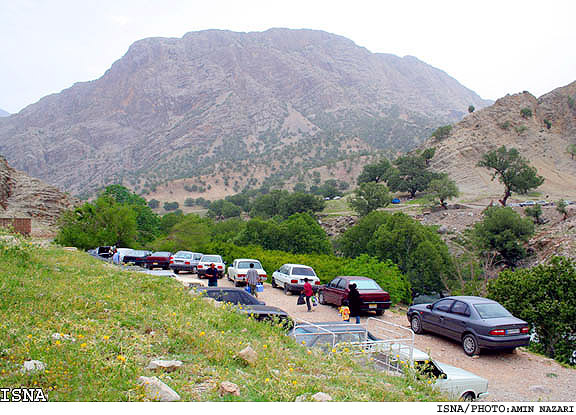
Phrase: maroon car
x=372 y=296
x=158 y=260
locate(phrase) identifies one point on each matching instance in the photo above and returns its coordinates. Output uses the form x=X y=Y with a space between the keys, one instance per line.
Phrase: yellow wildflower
x=106 y=337
x=83 y=345
x=291 y=369
x=121 y=358
x=265 y=346
x=29 y=336
x=202 y=334
x=267 y=380
x=294 y=382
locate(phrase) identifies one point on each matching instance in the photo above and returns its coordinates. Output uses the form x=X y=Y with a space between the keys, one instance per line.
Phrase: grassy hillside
x=122 y=320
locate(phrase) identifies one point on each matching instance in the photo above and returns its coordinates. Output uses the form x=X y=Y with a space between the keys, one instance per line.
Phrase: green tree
x=544 y=296
x=171 y=206
x=300 y=187
x=223 y=209
x=471 y=109
x=561 y=208
x=571 y=149
x=526 y=112
x=375 y=172
x=103 y=222
x=418 y=251
x=186 y=233
x=189 y=202
x=535 y=212
x=354 y=241
x=503 y=231
x=303 y=234
x=512 y=170
x=428 y=155
x=442 y=189
x=442 y=132
x=369 y=197
x=410 y=175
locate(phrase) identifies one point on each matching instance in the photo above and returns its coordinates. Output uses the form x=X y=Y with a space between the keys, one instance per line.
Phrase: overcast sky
x=493 y=47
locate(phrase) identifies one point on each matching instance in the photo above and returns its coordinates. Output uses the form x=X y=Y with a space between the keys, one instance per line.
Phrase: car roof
x=470 y=299
x=349 y=277
x=246 y=259
x=297 y=265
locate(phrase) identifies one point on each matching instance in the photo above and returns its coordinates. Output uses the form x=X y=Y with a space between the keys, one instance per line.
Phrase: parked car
x=158 y=260
x=290 y=277
x=185 y=261
x=104 y=251
x=205 y=262
x=527 y=203
x=455 y=382
x=479 y=323
x=136 y=257
x=249 y=304
x=395 y=201
x=237 y=271
x=373 y=297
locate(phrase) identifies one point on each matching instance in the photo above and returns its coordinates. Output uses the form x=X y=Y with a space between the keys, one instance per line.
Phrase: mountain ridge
x=175 y=108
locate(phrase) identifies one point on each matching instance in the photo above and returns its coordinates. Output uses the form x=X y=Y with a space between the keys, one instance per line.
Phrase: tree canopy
x=442 y=189
x=369 y=197
x=512 y=170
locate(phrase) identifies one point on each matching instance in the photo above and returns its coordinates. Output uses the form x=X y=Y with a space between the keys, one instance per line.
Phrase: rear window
x=246 y=264
x=211 y=258
x=161 y=254
x=306 y=272
x=366 y=285
x=234 y=297
x=183 y=256
x=491 y=310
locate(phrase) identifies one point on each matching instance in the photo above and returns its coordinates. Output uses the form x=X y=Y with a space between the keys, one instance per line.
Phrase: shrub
x=442 y=132
x=526 y=112
x=171 y=206
x=544 y=296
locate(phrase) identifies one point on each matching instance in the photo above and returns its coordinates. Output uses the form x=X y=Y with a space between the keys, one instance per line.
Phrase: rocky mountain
x=540 y=128
x=4 y=113
x=22 y=196
x=258 y=105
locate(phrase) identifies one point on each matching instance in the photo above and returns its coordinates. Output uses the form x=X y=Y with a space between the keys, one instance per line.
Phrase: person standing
x=252 y=279
x=212 y=274
x=354 y=302
x=308 y=292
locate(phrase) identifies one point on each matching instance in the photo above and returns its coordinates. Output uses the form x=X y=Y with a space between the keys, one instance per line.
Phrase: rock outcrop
x=25 y=197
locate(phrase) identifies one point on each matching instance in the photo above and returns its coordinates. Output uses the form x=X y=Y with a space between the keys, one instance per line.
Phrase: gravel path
x=513 y=377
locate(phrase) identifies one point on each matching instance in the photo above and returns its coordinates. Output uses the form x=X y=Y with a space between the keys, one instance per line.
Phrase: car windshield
x=366 y=285
x=211 y=258
x=307 y=272
x=183 y=255
x=246 y=264
x=138 y=253
x=491 y=310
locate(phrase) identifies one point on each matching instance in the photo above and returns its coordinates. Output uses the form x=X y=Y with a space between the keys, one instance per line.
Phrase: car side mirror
x=429 y=306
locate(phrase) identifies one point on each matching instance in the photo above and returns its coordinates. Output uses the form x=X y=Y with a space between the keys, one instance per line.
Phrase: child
x=344 y=311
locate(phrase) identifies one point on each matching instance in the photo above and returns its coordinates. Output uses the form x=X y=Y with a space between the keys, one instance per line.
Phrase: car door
x=456 y=321
x=282 y=275
x=341 y=291
x=330 y=291
x=433 y=320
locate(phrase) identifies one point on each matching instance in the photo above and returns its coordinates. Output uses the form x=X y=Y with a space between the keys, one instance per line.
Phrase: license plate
x=155 y=263
x=373 y=306
x=513 y=331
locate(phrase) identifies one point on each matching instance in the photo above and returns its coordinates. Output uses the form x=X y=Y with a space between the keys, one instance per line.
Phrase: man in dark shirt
x=212 y=274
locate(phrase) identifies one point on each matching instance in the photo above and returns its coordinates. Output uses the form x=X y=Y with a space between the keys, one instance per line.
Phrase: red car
x=373 y=297
x=158 y=260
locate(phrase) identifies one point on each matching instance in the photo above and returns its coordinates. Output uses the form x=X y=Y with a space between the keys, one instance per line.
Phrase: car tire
x=321 y=298
x=379 y=312
x=176 y=271
x=468 y=397
x=236 y=284
x=470 y=345
x=286 y=290
x=416 y=324
x=274 y=285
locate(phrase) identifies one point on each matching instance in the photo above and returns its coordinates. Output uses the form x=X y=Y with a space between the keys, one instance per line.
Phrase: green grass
x=339 y=207
x=122 y=320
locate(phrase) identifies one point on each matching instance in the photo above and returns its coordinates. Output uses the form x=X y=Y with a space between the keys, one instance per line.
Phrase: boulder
x=30 y=366
x=157 y=390
x=229 y=388
x=539 y=389
x=168 y=365
x=321 y=397
x=248 y=355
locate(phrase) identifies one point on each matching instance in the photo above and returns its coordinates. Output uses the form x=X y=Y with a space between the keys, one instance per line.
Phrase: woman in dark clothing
x=354 y=302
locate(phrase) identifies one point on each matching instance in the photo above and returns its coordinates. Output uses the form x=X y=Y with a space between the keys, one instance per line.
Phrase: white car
x=205 y=263
x=453 y=381
x=237 y=271
x=290 y=277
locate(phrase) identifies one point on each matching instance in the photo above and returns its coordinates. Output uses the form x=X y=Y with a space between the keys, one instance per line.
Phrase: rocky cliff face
x=542 y=138
x=282 y=100
x=24 y=197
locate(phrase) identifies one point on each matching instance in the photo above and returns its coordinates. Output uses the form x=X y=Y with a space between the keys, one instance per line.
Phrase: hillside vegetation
x=121 y=320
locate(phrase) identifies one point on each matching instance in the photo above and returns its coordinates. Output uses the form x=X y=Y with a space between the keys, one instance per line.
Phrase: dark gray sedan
x=479 y=323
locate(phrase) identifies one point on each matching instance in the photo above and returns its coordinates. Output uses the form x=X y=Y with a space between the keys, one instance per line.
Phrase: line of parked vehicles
x=477 y=323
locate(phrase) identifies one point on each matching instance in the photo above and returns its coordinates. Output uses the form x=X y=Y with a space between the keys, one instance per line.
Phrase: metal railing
x=387 y=344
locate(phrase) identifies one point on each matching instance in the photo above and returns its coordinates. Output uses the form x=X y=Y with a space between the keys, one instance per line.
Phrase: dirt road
x=519 y=376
